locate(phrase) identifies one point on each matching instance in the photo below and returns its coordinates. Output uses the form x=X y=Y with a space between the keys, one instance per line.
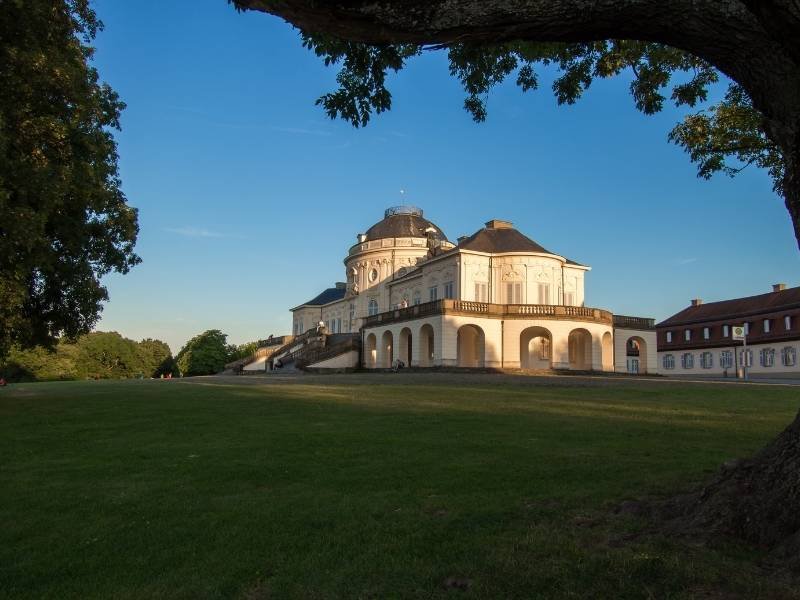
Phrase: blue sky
x=249 y=196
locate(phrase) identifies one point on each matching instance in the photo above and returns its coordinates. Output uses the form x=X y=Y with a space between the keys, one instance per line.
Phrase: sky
x=249 y=196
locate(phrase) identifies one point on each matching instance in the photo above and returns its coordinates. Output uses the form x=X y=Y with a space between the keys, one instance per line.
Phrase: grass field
x=368 y=486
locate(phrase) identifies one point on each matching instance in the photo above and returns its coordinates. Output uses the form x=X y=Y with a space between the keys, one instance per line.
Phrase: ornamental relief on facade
x=511 y=274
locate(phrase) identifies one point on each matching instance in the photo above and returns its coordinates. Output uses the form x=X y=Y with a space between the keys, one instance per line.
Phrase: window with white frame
x=514 y=293
x=706 y=333
x=544 y=293
x=687 y=360
x=726 y=359
x=669 y=361
x=338 y=325
x=352 y=315
x=788 y=356
x=726 y=330
x=544 y=349
x=669 y=337
x=766 y=325
x=569 y=298
x=706 y=360
x=687 y=334
x=767 y=357
x=787 y=322
x=448 y=290
x=481 y=292
x=372 y=307
x=746 y=358
x=433 y=293
x=417 y=297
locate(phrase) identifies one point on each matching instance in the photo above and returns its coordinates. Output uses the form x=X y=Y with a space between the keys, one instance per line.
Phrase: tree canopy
x=674 y=50
x=97 y=355
x=64 y=221
x=204 y=354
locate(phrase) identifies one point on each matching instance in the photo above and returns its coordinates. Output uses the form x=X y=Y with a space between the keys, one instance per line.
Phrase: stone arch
x=426 y=345
x=404 y=345
x=535 y=348
x=471 y=346
x=580 y=350
x=371 y=352
x=387 y=349
x=607 y=349
x=636 y=354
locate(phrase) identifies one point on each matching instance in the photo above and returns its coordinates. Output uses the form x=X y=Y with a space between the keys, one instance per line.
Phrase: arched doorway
x=636 y=355
x=470 y=346
x=535 y=348
x=404 y=346
x=580 y=350
x=608 y=352
x=426 y=346
x=371 y=352
x=387 y=349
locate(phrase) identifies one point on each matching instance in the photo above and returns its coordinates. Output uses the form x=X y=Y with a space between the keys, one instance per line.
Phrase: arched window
x=372 y=308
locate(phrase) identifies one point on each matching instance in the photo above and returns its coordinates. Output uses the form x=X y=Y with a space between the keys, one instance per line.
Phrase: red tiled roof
x=736 y=308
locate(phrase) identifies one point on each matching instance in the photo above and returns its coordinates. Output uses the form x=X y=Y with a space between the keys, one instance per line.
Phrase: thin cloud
x=194 y=232
x=686 y=261
x=301 y=131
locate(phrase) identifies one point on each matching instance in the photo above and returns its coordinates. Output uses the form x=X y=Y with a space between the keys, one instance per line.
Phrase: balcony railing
x=634 y=322
x=485 y=309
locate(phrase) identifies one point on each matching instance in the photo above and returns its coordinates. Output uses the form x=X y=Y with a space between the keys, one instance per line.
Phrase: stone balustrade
x=488 y=310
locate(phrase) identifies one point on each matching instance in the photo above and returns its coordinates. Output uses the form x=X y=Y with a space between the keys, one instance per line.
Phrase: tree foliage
x=64 y=221
x=98 y=355
x=155 y=358
x=204 y=354
x=724 y=138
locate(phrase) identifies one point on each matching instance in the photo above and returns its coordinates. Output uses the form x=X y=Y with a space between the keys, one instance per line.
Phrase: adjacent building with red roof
x=699 y=339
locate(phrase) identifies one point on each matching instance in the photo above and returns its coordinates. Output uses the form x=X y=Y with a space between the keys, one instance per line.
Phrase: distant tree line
x=108 y=355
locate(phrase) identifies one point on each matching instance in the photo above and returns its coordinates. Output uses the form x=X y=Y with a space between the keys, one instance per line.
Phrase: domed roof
x=404 y=221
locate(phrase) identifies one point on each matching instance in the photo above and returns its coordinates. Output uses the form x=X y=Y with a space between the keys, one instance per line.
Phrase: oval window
x=373 y=274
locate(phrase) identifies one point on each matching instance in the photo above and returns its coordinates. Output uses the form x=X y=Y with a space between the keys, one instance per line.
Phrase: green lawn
x=390 y=486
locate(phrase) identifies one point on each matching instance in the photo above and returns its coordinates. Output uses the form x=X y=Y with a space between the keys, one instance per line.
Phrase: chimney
x=778 y=287
x=341 y=285
x=361 y=237
x=696 y=301
x=461 y=238
x=498 y=224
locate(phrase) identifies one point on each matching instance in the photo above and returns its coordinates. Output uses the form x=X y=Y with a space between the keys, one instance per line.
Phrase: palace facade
x=494 y=299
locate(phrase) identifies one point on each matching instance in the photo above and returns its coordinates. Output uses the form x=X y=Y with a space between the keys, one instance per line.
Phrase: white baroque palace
x=495 y=299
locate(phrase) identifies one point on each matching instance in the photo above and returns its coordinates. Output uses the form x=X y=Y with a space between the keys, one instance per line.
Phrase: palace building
x=495 y=299
x=698 y=340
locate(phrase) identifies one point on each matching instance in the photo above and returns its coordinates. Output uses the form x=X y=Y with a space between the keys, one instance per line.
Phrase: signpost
x=738 y=332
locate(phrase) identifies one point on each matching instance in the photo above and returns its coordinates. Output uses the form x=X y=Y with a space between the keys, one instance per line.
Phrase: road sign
x=737 y=332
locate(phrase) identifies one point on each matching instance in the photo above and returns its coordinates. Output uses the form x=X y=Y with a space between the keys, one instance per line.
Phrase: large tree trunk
x=757 y=499
x=754 y=42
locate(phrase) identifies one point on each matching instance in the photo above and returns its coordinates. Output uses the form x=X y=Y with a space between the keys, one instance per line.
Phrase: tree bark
x=757 y=499
x=755 y=42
